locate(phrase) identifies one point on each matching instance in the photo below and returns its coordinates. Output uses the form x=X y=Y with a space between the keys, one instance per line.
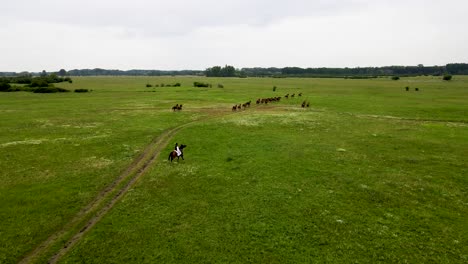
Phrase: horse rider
x=177 y=150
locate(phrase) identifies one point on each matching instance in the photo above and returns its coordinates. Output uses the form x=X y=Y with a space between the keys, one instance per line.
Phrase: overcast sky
x=182 y=34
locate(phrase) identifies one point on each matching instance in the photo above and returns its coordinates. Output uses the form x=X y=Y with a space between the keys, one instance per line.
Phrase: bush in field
x=200 y=84
x=81 y=90
x=220 y=85
x=274 y=88
x=39 y=82
x=447 y=77
x=395 y=78
x=4 y=86
x=149 y=85
x=173 y=85
x=50 y=90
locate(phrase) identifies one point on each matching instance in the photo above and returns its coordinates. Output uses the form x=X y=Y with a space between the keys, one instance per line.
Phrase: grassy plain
x=369 y=173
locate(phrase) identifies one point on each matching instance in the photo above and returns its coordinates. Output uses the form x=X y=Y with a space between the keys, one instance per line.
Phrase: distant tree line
x=352 y=73
x=455 y=69
x=230 y=71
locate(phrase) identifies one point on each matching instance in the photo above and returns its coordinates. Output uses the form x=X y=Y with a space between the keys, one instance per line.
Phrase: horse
x=173 y=154
x=175 y=107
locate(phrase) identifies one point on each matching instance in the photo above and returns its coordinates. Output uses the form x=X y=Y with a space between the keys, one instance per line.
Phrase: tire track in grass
x=137 y=168
x=161 y=143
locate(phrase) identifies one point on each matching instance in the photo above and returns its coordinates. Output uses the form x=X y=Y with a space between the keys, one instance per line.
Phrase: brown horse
x=177 y=107
x=173 y=154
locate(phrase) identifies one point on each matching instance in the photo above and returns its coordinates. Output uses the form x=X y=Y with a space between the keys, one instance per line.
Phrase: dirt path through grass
x=141 y=165
x=116 y=189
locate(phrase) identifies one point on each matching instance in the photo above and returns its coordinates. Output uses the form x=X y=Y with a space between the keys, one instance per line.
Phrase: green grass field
x=369 y=173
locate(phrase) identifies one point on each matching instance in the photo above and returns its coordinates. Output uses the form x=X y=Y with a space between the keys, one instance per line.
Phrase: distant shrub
x=173 y=85
x=162 y=84
x=39 y=82
x=274 y=88
x=20 y=89
x=220 y=85
x=200 y=84
x=50 y=90
x=395 y=78
x=407 y=88
x=156 y=85
x=447 y=77
x=81 y=90
x=149 y=85
x=4 y=86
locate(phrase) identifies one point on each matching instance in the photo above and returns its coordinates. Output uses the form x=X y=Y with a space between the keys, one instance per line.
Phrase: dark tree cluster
x=28 y=83
x=218 y=71
x=457 y=68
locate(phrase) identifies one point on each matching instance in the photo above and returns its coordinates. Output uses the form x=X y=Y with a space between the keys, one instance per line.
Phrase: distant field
x=369 y=173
